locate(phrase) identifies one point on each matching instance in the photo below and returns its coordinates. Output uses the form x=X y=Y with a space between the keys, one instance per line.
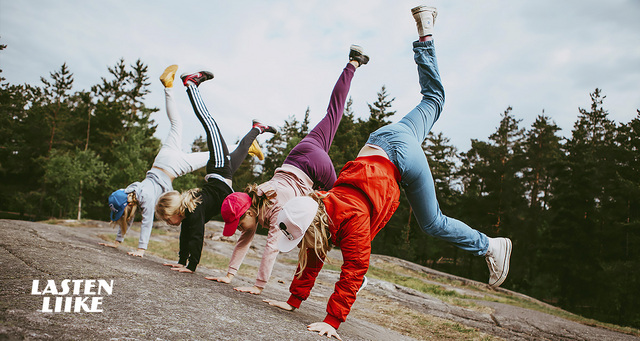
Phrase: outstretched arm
x=301 y=285
x=355 y=246
x=240 y=251
x=266 y=264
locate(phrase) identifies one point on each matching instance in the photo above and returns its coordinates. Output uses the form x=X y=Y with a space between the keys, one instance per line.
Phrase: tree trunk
x=80 y=202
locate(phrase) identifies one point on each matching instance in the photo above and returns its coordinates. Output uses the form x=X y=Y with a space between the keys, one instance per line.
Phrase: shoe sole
x=356 y=48
x=507 y=260
x=356 y=52
x=208 y=76
x=169 y=70
x=419 y=9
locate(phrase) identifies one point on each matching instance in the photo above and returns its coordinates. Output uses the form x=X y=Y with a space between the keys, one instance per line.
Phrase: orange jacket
x=363 y=199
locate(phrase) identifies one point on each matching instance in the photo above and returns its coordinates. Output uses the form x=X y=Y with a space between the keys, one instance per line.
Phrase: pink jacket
x=287 y=182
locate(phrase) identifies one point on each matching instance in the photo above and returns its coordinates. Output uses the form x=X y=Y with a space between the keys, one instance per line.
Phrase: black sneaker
x=357 y=53
x=196 y=78
x=264 y=128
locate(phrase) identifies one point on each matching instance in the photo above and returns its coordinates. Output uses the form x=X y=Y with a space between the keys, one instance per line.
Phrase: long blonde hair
x=260 y=203
x=128 y=214
x=317 y=236
x=174 y=203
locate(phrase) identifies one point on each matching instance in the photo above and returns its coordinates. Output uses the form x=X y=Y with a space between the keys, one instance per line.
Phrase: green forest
x=571 y=205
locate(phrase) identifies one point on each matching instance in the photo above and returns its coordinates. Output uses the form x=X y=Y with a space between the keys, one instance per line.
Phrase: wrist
x=294 y=301
x=332 y=321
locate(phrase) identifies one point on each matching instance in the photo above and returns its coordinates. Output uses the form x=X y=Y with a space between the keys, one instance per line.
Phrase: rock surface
x=150 y=302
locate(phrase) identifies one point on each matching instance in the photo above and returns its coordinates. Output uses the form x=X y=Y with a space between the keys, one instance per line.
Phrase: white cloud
x=273 y=59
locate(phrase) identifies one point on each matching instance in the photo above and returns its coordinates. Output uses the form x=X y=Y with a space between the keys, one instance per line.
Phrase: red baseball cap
x=233 y=207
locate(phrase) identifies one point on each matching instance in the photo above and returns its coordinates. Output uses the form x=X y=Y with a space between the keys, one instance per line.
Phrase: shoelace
x=492 y=266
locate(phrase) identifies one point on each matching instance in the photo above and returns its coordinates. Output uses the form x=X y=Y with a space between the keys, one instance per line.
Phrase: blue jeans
x=402 y=141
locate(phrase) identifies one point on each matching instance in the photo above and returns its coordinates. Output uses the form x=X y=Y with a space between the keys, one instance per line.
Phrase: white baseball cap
x=294 y=219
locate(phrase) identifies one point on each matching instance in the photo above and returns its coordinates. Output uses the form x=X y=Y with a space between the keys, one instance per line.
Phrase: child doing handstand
x=194 y=208
x=366 y=194
x=307 y=167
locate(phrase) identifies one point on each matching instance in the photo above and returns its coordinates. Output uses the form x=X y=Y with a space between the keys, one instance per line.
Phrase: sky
x=273 y=59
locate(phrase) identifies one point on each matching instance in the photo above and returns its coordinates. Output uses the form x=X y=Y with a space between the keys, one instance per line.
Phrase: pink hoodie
x=287 y=182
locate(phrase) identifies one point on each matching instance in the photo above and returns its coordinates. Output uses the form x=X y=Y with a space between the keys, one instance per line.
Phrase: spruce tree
x=579 y=230
x=493 y=194
x=541 y=154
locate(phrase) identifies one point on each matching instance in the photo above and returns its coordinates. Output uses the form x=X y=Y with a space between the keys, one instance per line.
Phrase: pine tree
x=623 y=259
x=541 y=155
x=122 y=133
x=378 y=112
x=578 y=234
x=493 y=193
x=17 y=154
x=55 y=96
x=348 y=139
x=280 y=144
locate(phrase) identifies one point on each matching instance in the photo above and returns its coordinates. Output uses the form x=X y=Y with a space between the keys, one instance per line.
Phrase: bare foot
x=182 y=270
x=138 y=253
x=252 y=290
x=280 y=304
x=222 y=279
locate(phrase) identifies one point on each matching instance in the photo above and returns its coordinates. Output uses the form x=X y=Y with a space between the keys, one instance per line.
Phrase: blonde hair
x=317 y=236
x=128 y=214
x=260 y=203
x=175 y=203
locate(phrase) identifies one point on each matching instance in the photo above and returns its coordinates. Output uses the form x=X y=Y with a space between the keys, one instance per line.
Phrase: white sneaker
x=425 y=17
x=498 y=257
x=365 y=281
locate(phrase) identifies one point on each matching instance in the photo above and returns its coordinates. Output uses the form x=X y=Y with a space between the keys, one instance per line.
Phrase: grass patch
x=417 y=325
x=555 y=311
x=418 y=283
x=414 y=279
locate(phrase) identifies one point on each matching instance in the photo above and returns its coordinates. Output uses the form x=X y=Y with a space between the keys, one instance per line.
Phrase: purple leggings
x=311 y=154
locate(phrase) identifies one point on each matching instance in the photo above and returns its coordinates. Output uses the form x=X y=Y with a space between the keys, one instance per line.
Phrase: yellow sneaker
x=168 y=75
x=256 y=151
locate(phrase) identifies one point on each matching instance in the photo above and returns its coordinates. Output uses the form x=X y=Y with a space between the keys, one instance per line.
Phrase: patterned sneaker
x=264 y=128
x=357 y=53
x=425 y=17
x=196 y=78
x=498 y=257
x=168 y=75
x=255 y=150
